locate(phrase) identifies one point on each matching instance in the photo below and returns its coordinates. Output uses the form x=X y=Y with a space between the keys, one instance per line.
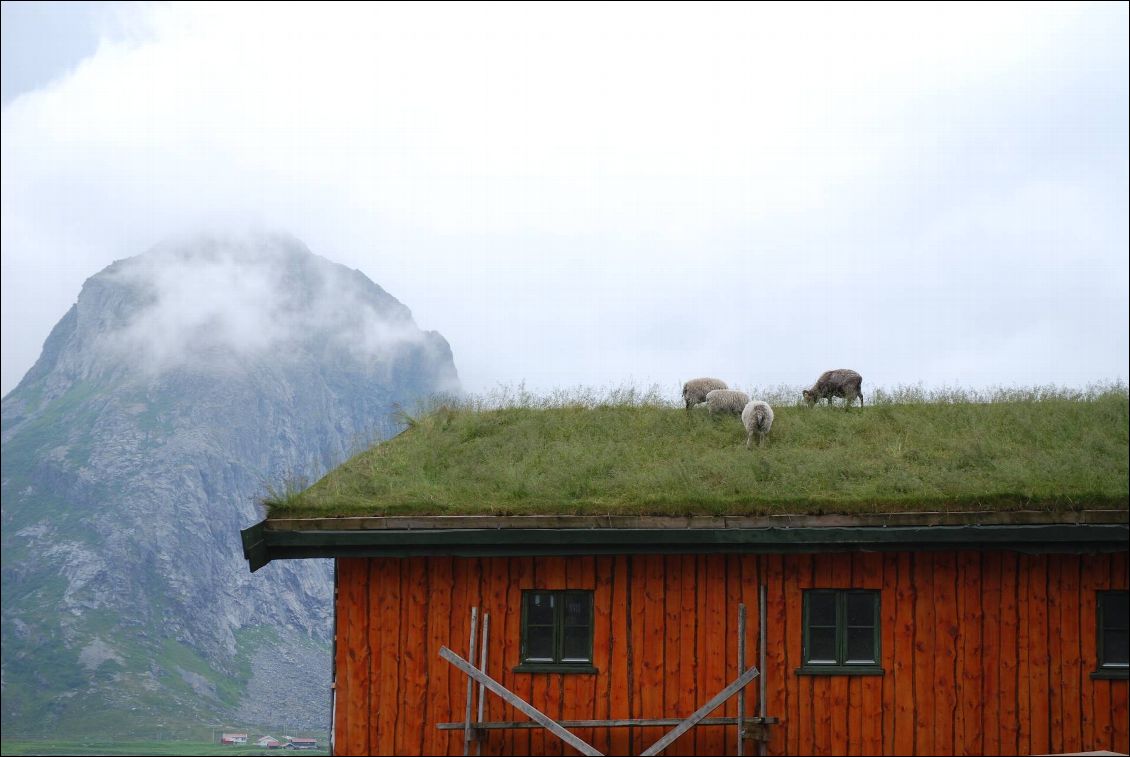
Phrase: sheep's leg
x=749 y=440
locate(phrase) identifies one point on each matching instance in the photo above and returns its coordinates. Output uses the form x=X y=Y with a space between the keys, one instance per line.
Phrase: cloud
x=578 y=194
x=220 y=302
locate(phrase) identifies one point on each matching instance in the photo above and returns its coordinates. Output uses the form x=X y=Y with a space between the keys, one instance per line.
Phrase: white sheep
x=694 y=391
x=726 y=401
x=757 y=417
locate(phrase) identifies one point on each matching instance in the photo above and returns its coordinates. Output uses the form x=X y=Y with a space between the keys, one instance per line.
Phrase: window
x=1114 y=635
x=556 y=632
x=841 y=632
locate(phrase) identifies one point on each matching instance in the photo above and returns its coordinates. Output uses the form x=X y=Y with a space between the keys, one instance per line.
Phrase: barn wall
x=984 y=653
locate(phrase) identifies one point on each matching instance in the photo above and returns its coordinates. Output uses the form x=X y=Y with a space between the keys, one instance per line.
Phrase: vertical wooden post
x=761 y=745
x=551 y=725
x=700 y=714
x=483 y=667
x=741 y=669
x=470 y=684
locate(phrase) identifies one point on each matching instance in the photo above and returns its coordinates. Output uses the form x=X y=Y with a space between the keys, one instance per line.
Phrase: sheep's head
x=809 y=397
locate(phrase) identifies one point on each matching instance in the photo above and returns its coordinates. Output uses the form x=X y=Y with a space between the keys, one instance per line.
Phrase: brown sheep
x=841 y=382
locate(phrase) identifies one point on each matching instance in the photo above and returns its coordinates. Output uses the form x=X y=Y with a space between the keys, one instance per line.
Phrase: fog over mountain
x=183 y=384
x=922 y=192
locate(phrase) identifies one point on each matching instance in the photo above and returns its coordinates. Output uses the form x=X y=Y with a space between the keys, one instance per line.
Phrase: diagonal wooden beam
x=739 y=683
x=520 y=704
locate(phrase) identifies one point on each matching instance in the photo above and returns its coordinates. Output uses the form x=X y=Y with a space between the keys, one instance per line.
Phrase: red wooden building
x=913 y=633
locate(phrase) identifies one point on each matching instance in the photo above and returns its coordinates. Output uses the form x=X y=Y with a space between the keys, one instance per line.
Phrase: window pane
x=861 y=609
x=821 y=608
x=822 y=645
x=861 y=645
x=576 y=610
x=539 y=609
x=575 y=644
x=1116 y=647
x=539 y=644
x=1116 y=609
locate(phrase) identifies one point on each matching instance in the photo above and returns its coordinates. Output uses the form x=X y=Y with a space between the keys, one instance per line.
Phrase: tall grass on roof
x=505 y=396
x=518 y=396
x=627 y=451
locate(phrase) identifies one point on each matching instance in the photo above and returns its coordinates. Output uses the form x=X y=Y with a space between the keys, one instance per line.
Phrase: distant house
x=269 y=742
x=233 y=738
x=301 y=743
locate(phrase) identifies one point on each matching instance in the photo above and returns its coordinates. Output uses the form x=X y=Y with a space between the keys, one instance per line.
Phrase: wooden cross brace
x=522 y=705
x=565 y=735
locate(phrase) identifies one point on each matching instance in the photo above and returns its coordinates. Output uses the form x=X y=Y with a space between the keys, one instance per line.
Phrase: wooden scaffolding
x=474 y=729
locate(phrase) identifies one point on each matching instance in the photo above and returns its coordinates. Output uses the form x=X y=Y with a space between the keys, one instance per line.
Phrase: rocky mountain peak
x=182 y=384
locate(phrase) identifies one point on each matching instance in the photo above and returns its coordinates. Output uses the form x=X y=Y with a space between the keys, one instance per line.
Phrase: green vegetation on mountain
x=132 y=457
x=159 y=748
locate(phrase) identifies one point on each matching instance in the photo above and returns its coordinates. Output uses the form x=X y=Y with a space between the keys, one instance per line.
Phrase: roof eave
x=496 y=536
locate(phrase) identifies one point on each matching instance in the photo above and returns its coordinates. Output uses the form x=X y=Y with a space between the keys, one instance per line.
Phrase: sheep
x=694 y=391
x=841 y=382
x=757 y=417
x=726 y=401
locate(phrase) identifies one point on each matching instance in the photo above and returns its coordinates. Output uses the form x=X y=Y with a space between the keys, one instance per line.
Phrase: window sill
x=535 y=667
x=1111 y=674
x=840 y=670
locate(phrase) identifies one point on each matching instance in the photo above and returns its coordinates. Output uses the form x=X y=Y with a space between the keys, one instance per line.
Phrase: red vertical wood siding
x=984 y=652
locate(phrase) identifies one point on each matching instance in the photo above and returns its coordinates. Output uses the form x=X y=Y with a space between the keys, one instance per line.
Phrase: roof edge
x=1106 y=531
x=784 y=520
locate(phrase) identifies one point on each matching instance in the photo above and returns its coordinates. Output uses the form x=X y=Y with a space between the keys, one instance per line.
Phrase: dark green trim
x=840 y=670
x=261 y=544
x=548 y=668
x=1111 y=674
x=841 y=666
x=558 y=664
x=255 y=547
x=1104 y=670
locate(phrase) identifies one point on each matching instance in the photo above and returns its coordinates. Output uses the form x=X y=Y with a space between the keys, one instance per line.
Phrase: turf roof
x=1042 y=454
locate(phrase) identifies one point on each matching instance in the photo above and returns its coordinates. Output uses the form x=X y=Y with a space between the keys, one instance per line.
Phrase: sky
x=606 y=194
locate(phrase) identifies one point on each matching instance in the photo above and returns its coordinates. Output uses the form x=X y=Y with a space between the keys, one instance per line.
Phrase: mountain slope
x=180 y=385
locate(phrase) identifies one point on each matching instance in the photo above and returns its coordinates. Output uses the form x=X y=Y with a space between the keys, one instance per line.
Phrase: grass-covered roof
x=1028 y=449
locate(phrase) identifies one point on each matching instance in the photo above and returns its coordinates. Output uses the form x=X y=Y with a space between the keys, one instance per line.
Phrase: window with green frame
x=1113 y=623
x=556 y=632
x=841 y=632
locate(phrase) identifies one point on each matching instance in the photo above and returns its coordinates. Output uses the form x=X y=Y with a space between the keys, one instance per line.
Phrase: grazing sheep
x=726 y=401
x=694 y=391
x=757 y=417
x=838 y=383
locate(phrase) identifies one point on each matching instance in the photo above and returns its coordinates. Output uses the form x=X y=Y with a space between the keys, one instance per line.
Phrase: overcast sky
x=607 y=194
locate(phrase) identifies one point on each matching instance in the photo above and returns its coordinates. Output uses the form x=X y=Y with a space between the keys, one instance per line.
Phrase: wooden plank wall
x=985 y=652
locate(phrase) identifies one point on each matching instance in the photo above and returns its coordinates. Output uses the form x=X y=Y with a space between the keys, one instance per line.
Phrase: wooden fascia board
x=264 y=544
x=784 y=520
